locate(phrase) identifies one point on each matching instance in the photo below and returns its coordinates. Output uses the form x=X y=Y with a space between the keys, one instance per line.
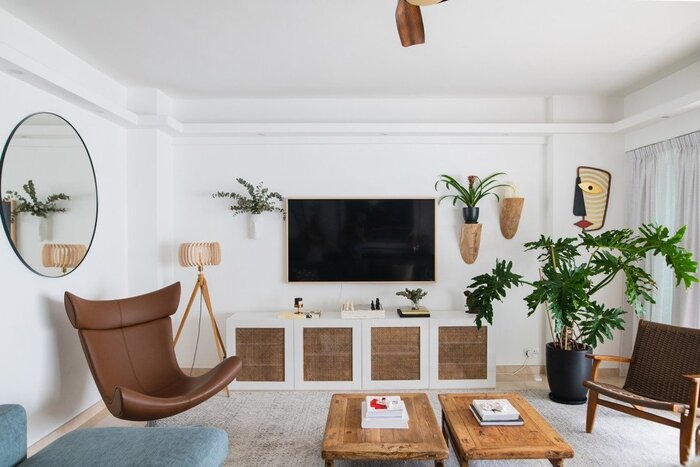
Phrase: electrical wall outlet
x=530 y=352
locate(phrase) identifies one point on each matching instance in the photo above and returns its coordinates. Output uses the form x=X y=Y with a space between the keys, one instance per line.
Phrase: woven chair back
x=662 y=355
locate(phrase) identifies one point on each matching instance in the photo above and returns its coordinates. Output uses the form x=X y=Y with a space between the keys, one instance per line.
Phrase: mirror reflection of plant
x=260 y=199
x=476 y=189
x=567 y=285
x=33 y=205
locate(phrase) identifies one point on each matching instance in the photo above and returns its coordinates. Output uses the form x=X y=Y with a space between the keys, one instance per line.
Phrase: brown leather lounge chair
x=128 y=344
x=664 y=374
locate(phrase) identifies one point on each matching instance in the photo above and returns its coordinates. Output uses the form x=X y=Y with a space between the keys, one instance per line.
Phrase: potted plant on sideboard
x=567 y=285
x=414 y=295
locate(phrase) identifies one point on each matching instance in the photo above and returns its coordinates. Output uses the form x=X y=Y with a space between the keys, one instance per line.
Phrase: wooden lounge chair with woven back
x=664 y=374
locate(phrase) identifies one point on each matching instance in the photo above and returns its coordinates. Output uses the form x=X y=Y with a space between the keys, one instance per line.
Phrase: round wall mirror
x=49 y=194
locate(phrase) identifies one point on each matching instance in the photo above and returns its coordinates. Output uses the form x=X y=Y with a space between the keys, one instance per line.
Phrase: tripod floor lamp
x=202 y=254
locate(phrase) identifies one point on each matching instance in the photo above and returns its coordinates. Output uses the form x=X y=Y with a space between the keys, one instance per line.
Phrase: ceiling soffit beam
x=26 y=69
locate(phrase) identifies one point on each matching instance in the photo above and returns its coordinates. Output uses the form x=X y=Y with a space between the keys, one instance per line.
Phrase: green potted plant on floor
x=572 y=271
x=476 y=190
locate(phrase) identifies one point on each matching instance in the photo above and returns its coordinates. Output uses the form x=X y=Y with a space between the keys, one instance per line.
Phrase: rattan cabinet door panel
x=461 y=356
x=265 y=345
x=262 y=353
x=395 y=353
x=462 y=352
x=328 y=354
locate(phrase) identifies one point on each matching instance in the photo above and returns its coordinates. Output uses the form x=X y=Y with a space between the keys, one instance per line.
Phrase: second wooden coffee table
x=345 y=439
x=536 y=439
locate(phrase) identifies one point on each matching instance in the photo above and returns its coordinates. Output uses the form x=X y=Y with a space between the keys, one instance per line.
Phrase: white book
x=494 y=410
x=390 y=423
x=517 y=422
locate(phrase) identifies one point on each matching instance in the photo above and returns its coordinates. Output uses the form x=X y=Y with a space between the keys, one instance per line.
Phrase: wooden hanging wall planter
x=511 y=209
x=469 y=242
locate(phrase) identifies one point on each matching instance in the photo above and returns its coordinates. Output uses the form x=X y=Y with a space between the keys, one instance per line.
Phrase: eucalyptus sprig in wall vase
x=476 y=190
x=258 y=201
x=36 y=207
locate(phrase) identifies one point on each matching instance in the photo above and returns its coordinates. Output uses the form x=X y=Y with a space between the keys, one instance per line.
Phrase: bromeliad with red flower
x=476 y=190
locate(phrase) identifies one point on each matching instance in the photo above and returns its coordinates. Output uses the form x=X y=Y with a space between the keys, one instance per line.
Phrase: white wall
x=42 y=365
x=663 y=130
x=251 y=276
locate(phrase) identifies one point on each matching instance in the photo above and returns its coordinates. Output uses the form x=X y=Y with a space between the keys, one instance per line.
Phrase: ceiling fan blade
x=409 y=22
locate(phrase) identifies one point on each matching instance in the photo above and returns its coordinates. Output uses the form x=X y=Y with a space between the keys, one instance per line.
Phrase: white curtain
x=665 y=189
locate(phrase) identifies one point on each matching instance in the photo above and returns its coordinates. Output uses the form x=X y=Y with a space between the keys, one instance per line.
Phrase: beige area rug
x=286 y=429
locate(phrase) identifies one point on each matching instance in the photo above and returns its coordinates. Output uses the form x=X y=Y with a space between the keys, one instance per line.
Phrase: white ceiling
x=343 y=48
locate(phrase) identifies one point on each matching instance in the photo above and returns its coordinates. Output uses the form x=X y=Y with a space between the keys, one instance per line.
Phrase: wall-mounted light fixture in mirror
x=49 y=194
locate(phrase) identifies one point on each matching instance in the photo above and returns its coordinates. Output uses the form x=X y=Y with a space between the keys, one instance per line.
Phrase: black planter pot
x=470 y=214
x=566 y=372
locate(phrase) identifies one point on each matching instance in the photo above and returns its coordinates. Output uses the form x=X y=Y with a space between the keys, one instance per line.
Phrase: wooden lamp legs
x=202 y=287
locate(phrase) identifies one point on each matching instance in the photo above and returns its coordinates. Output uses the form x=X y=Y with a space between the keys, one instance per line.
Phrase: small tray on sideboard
x=411 y=313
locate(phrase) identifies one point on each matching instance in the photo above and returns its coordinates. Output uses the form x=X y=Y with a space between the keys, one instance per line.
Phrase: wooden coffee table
x=345 y=439
x=536 y=439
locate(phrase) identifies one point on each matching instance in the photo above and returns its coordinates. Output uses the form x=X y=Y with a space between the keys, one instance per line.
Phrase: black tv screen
x=361 y=240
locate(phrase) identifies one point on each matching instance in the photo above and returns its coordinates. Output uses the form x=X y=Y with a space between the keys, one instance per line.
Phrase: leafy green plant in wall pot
x=572 y=271
x=470 y=195
x=258 y=201
x=33 y=206
x=414 y=295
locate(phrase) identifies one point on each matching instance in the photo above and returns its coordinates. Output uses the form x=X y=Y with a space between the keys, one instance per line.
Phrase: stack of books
x=384 y=412
x=495 y=412
x=420 y=312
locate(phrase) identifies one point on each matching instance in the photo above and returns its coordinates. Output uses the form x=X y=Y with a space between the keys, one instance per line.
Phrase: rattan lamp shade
x=199 y=254
x=62 y=255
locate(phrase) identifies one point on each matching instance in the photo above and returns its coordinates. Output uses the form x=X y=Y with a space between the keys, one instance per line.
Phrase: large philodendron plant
x=574 y=269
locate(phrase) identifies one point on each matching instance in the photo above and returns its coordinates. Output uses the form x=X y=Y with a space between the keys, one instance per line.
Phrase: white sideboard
x=443 y=351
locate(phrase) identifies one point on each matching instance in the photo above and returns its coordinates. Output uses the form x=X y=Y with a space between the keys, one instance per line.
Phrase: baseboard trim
x=75 y=422
x=521 y=370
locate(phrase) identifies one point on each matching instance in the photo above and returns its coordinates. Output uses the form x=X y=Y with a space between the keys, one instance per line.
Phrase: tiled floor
x=504 y=382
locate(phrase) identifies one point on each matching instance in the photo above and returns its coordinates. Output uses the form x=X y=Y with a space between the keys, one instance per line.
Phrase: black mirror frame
x=6 y=227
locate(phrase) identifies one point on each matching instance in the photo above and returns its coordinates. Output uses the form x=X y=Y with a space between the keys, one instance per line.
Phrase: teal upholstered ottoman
x=158 y=446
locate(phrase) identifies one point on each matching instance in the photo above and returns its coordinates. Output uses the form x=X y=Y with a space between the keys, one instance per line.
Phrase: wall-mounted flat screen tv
x=361 y=240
